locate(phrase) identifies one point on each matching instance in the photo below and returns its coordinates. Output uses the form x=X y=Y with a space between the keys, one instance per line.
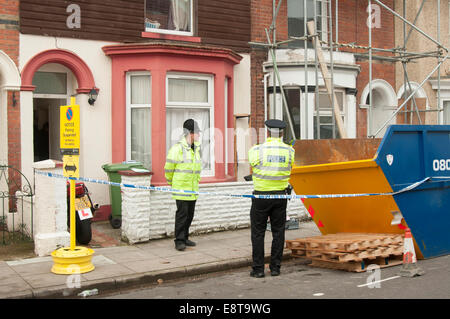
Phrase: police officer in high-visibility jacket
x=182 y=171
x=271 y=164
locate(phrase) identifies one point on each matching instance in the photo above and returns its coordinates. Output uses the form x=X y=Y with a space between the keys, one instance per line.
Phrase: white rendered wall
x=212 y=213
x=50 y=210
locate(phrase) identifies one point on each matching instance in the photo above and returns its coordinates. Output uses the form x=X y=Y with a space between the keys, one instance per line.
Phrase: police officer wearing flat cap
x=182 y=171
x=271 y=164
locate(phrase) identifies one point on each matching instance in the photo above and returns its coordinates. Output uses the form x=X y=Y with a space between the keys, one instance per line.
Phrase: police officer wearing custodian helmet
x=271 y=164
x=182 y=171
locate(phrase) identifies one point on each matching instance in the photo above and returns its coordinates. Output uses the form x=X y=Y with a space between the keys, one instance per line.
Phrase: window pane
x=293 y=101
x=446 y=112
x=324 y=101
x=140 y=89
x=188 y=90
x=50 y=83
x=168 y=15
x=141 y=130
x=296 y=20
x=326 y=128
x=175 y=118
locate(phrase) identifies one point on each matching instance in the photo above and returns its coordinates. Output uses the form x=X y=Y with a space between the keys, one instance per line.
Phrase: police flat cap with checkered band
x=275 y=126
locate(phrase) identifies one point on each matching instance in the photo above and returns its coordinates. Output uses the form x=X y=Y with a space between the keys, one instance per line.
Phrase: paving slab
x=106 y=271
x=49 y=279
x=33 y=268
x=13 y=283
x=153 y=264
x=227 y=254
x=193 y=259
x=129 y=256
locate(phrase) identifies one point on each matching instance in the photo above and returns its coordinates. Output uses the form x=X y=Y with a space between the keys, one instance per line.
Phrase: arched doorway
x=384 y=103
x=54 y=85
x=48 y=80
x=413 y=109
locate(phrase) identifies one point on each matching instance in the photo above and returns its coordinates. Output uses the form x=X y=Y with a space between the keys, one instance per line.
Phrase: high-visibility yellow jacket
x=182 y=169
x=271 y=163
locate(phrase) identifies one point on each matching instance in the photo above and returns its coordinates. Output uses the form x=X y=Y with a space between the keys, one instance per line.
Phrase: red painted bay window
x=156 y=87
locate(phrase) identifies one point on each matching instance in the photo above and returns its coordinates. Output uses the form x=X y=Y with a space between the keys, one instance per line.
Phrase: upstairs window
x=169 y=16
x=296 y=20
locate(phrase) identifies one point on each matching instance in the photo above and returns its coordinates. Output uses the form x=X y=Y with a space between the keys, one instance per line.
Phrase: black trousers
x=183 y=219
x=262 y=209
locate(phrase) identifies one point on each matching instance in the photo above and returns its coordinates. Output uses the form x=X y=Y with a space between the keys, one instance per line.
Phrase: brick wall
x=352 y=11
x=262 y=13
x=9 y=28
x=13 y=112
x=9 y=43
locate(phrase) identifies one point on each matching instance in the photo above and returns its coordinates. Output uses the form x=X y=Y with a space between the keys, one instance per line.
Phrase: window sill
x=164 y=36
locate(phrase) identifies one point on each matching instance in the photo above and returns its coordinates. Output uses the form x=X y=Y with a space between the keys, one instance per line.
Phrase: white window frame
x=307 y=122
x=225 y=133
x=198 y=105
x=130 y=106
x=445 y=112
x=313 y=112
x=167 y=31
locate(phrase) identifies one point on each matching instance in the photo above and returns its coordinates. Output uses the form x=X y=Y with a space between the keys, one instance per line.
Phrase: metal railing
x=16 y=205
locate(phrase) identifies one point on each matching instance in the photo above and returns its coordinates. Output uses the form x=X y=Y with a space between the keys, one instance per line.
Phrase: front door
x=46 y=128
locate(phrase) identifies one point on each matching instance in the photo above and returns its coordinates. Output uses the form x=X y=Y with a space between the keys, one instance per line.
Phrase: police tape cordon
x=171 y=190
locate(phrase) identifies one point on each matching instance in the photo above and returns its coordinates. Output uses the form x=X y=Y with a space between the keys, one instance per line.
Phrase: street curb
x=138 y=280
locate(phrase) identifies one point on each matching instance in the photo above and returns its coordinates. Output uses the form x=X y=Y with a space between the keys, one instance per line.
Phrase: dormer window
x=169 y=16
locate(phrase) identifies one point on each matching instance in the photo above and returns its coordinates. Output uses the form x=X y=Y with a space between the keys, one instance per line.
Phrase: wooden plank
x=232 y=44
x=347 y=242
x=327 y=79
x=32 y=18
x=211 y=11
x=358 y=266
x=236 y=5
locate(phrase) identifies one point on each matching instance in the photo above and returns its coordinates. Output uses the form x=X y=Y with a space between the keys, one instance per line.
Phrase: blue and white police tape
x=171 y=190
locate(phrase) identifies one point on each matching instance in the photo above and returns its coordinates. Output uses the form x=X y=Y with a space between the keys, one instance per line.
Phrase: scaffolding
x=329 y=41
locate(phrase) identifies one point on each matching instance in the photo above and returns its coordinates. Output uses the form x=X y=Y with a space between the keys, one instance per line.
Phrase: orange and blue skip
x=406 y=154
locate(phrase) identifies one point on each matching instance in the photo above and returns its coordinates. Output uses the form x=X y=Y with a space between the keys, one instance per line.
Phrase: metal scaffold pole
x=370 y=121
x=330 y=42
x=438 y=102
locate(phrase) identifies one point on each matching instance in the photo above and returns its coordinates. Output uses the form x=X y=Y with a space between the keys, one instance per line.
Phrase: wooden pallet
x=349 y=251
x=345 y=242
x=358 y=255
x=361 y=266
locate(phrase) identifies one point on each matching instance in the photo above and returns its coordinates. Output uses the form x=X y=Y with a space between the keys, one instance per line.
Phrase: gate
x=16 y=206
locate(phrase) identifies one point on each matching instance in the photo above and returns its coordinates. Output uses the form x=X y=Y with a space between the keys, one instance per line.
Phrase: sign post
x=70 y=148
x=73 y=259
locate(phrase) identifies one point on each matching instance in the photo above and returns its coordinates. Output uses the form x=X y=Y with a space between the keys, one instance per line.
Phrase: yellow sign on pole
x=73 y=259
x=71 y=165
x=70 y=128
